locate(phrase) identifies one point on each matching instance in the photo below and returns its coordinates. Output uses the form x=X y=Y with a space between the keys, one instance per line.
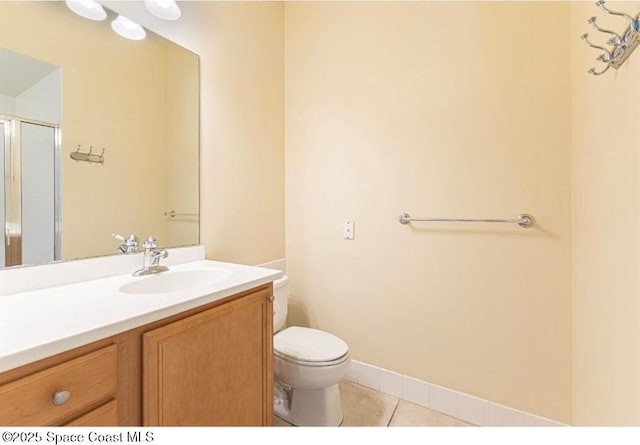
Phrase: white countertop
x=41 y=323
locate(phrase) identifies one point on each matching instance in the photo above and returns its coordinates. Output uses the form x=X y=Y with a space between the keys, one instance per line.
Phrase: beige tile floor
x=365 y=407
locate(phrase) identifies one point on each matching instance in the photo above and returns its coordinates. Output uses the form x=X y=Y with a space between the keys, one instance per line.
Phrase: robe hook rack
x=618 y=46
x=87 y=157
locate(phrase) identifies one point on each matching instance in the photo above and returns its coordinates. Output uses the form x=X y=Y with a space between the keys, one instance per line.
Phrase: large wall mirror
x=73 y=94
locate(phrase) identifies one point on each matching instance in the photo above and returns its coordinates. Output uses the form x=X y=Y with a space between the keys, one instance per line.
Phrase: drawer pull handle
x=61 y=397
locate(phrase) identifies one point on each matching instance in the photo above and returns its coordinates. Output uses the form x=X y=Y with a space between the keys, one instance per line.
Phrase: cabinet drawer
x=106 y=415
x=88 y=379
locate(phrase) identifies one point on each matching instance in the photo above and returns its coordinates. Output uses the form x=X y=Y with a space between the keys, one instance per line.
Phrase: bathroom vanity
x=129 y=354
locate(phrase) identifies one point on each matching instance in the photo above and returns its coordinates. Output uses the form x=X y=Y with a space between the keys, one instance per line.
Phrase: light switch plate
x=349 y=227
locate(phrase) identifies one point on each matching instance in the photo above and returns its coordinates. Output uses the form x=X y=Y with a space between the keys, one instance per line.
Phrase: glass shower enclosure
x=30 y=209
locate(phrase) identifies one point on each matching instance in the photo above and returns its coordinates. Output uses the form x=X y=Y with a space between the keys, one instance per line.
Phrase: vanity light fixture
x=165 y=9
x=89 y=9
x=128 y=28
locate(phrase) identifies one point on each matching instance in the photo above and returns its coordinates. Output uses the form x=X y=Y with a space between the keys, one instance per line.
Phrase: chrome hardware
x=585 y=38
x=151 y=260
x=598 y=73
x=130 y=245
x=173 y=214
x=615 y=40
x=523 y=220
x=281 y=398
x=271 y=298
x=61 y=397
x=600 y=4
x=622 y=44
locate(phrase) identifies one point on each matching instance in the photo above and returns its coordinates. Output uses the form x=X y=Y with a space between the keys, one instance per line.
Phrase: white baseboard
x=453 y=403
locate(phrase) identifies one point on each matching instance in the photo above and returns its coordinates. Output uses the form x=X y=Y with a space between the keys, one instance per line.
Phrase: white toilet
x=308 y=364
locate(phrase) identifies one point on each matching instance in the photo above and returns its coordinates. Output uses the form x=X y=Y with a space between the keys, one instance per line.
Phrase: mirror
x=111 y=144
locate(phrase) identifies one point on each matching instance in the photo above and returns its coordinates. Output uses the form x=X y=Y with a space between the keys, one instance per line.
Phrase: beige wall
x=438 y=109
x=606 y=230
x=241 y=49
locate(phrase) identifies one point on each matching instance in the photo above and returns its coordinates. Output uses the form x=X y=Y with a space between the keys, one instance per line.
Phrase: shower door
x=30 y=191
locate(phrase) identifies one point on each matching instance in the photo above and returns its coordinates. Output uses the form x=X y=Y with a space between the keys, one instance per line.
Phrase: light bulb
x=165 y=9
x=89 y=9
x=128 y=28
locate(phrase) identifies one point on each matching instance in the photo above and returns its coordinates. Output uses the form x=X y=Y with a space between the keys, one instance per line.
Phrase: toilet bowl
x=308 y=364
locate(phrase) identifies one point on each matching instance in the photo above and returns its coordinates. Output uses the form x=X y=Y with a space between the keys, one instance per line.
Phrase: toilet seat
x=309 y=347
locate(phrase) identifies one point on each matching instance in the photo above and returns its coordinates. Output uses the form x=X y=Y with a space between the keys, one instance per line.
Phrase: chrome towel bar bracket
x=173 y=214
x=523 y=220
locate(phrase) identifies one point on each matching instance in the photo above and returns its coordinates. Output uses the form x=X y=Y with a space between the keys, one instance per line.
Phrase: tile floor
x=365 y=407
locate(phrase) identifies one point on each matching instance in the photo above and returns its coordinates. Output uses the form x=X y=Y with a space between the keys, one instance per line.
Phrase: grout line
x=394 y=412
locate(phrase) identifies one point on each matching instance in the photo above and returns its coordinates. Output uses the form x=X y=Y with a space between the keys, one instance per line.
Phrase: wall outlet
x=349 y=232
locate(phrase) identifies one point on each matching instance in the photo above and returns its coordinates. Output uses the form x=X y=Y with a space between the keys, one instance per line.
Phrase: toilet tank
x=281 y=294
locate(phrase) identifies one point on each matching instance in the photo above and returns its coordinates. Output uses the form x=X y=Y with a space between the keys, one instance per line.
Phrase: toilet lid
x=309 y=345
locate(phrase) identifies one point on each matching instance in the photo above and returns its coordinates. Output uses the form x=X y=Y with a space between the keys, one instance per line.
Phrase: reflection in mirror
x=30 y=114
x=67 y=82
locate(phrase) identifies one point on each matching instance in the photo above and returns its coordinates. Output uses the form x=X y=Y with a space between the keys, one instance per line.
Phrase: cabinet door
x=213 y=368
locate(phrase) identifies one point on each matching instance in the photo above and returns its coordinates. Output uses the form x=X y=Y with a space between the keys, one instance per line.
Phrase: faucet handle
x=150 y=243
x=118 y=237
x=130 y=243
x=131 y=238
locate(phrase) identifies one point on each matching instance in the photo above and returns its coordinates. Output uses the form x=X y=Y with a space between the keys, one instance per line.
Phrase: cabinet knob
x=61 y=397
x=271 y=298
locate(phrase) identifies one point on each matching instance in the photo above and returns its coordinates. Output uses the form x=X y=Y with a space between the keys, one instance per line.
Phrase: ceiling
x=18 y=73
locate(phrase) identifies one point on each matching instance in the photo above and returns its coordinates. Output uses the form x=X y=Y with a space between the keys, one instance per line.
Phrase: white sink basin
x=175 y=281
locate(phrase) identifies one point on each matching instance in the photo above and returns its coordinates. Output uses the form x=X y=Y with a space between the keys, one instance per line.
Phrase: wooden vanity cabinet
x=208 y=366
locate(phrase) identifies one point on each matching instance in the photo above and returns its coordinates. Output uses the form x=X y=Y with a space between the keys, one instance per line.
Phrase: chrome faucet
x=130 y=245
x=151 y=261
